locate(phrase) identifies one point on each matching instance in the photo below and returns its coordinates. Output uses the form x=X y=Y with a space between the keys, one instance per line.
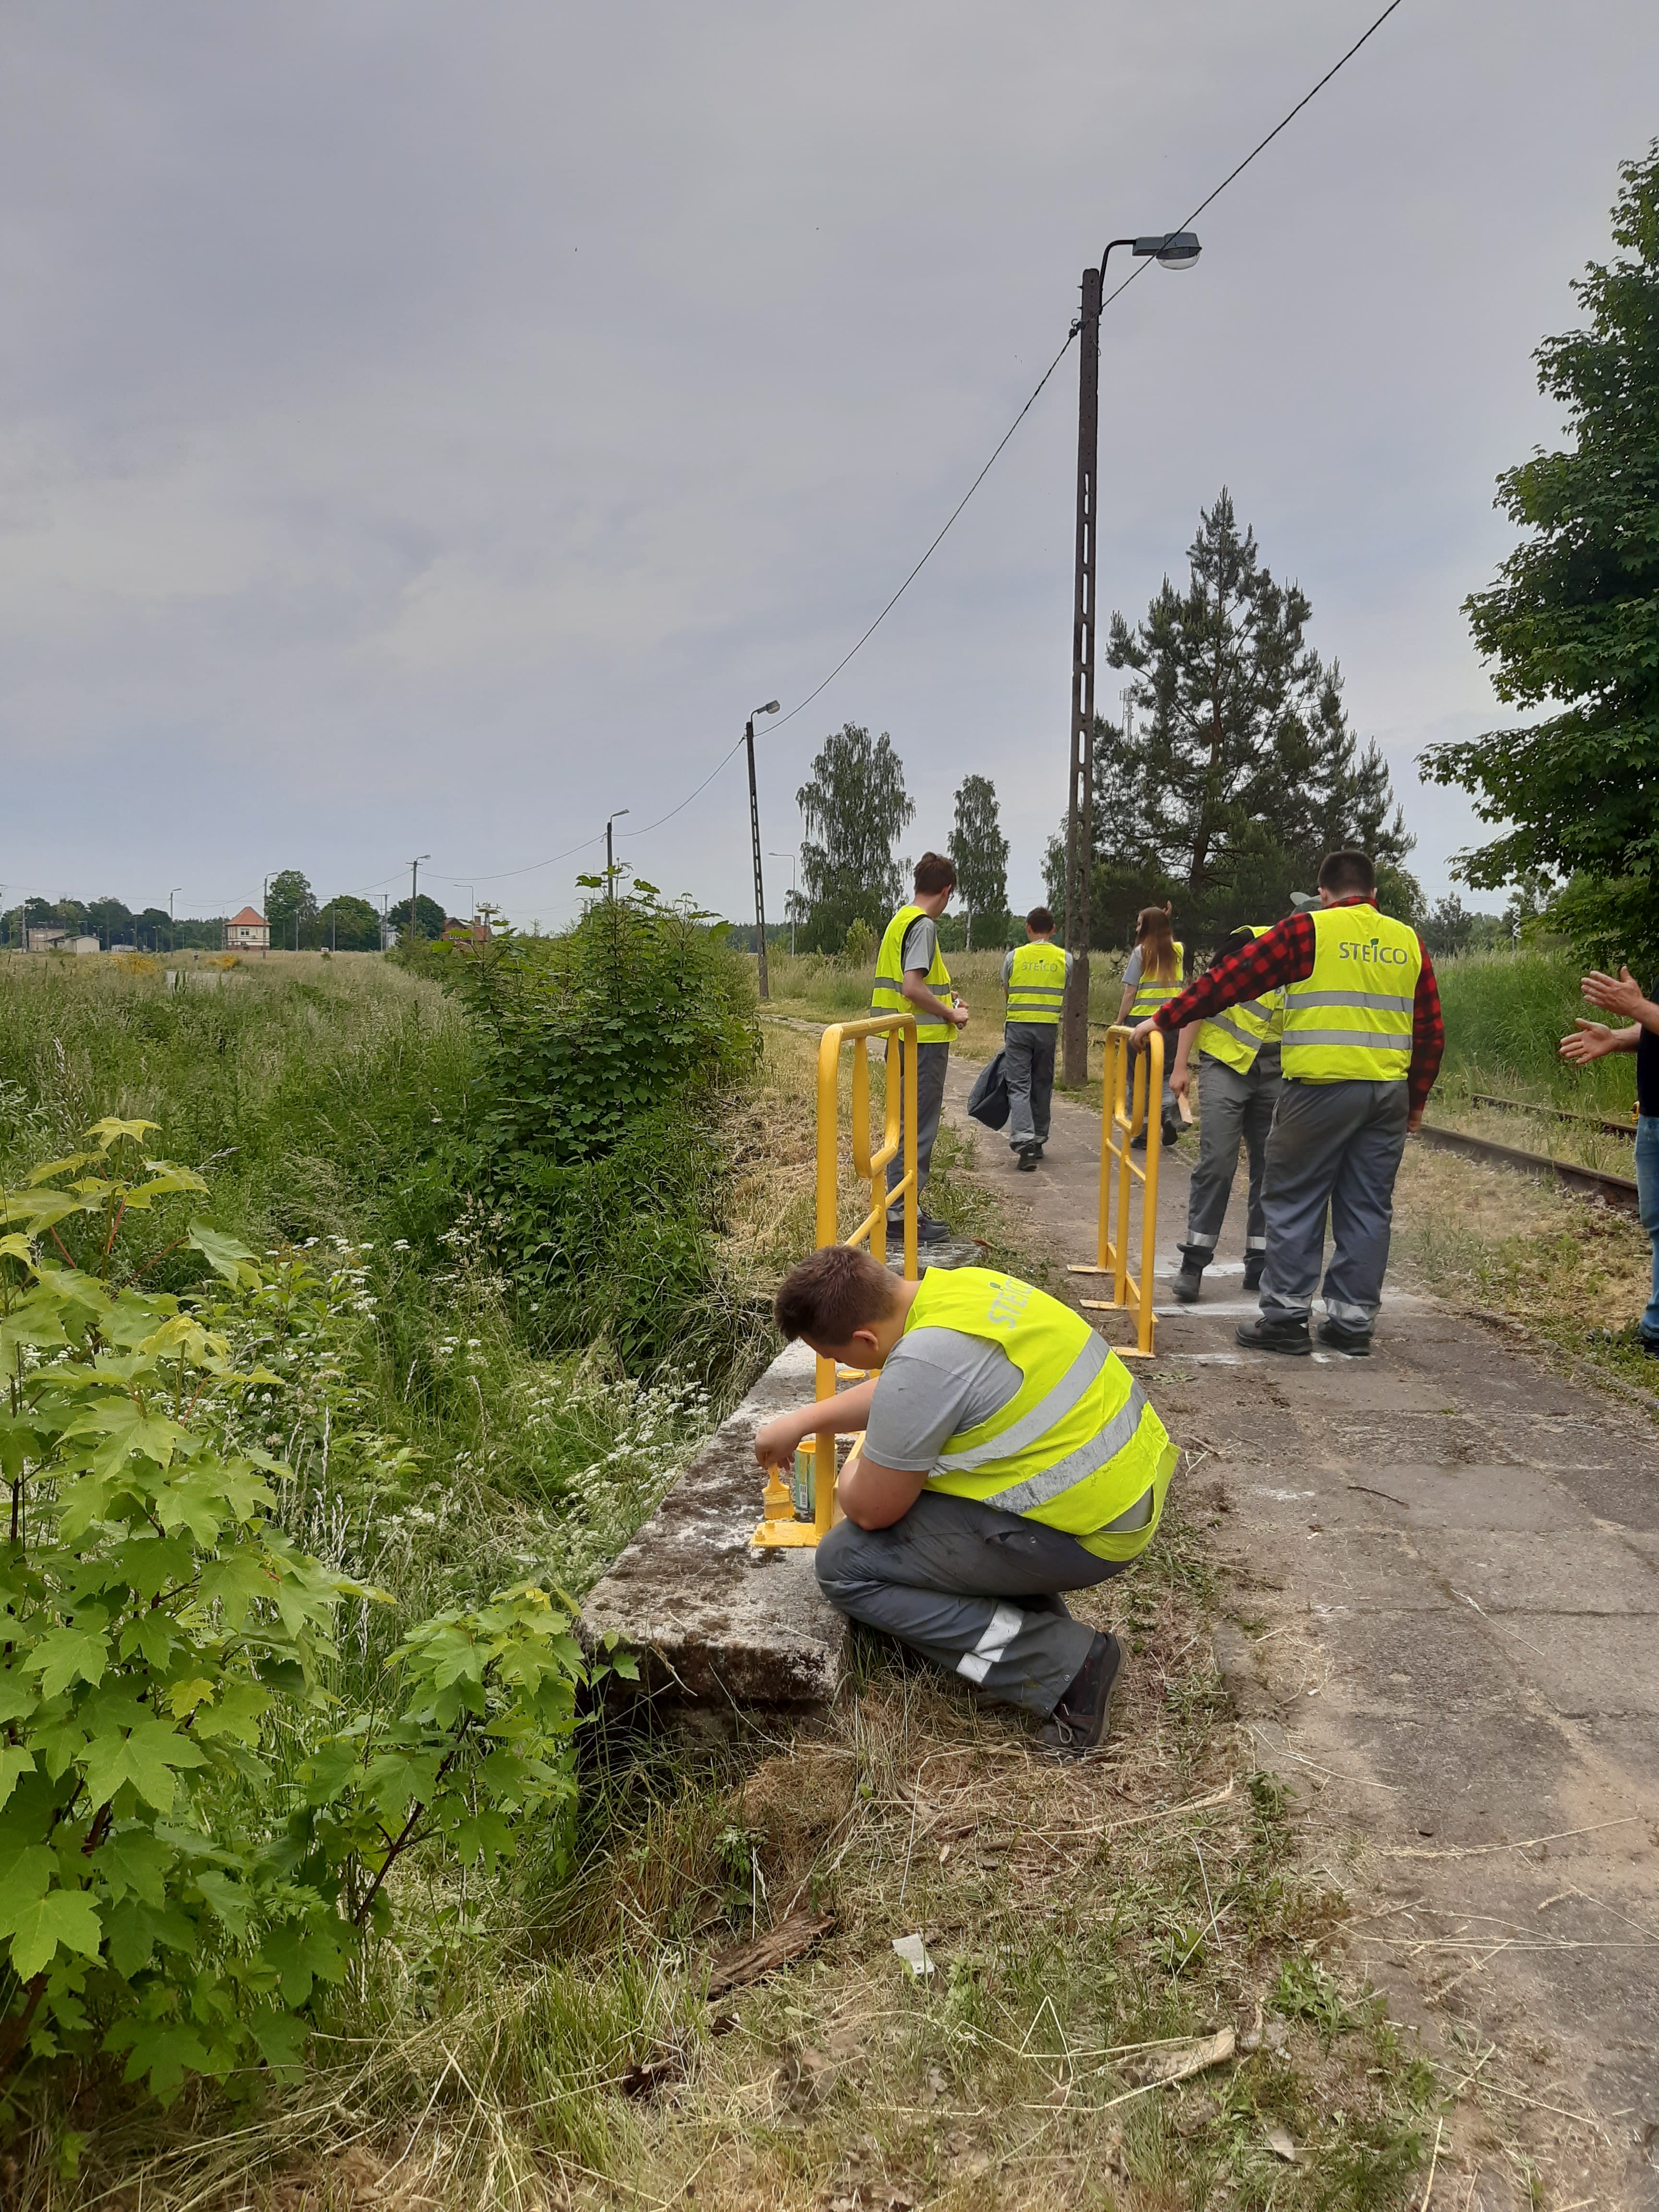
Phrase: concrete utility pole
x=771 y=708
x=414 y=880
x=1172 y=249
x=1080 y=803
x=609 y=857
x=172 y=894
x=265 y=916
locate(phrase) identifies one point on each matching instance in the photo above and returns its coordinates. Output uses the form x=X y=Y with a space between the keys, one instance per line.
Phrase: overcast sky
x=427 y=428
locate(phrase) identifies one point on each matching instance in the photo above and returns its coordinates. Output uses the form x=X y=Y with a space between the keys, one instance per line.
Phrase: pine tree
x=1572 y=622
x=855 y=807
x=980 y=853
x=1243 y=771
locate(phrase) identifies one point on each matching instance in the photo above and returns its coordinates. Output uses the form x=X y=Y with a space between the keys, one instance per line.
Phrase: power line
x=1231 y=177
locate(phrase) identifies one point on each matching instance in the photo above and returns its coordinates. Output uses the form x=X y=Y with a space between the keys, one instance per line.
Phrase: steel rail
x=1617 y=1191
x=1610 y=1128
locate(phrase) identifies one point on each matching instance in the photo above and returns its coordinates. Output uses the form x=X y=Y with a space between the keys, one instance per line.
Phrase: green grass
x=1506 y=1013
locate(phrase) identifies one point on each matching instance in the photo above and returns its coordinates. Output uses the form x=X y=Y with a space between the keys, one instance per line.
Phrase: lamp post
x=1173 y=249
x=770 y=707
x=609 y=854
x=414 y=880
x=265 y=916
x=172 y=894
x=792 y=858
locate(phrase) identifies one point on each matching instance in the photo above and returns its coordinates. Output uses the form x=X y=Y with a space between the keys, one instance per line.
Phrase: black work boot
x=1079 y=1723
x=1028 y=1157
x=1254 y=1263
x=1356 y=1342
x=1265 y=1335
x=1190 y=1281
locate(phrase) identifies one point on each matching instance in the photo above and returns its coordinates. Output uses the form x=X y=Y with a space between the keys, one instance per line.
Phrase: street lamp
x=172 y=894
x=770 y=707
x=610 y=855
x=1171 y=249
x=265 y=915
x=792 y=858
x=414 y=880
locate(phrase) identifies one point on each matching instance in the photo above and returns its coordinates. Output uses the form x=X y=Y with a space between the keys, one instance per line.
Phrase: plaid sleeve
x=1266 y=963
x=1428 y=1036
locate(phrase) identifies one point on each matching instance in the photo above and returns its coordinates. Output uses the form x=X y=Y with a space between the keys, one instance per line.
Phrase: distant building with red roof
x=248 y=932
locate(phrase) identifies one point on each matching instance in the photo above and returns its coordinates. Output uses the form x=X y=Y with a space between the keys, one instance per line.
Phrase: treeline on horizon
x=345 y=923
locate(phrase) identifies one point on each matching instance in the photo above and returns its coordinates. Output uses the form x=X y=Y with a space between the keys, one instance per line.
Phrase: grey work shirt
x=921 y=943
x=936 y=1383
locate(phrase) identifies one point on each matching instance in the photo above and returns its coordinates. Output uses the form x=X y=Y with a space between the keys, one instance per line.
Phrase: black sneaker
x=1252 y=1273
x=1356 y=1343
x=1172 y=1130
x=1265 y=1335
x=929 y=1232
x=1078 y=1724
x=1026 y=1163
x=1190 y=1282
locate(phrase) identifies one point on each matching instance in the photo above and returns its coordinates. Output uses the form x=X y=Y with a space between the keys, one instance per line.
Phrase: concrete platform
x=716 y=1622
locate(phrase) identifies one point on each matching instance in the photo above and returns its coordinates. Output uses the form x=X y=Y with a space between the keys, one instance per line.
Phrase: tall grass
x=1506 y=1013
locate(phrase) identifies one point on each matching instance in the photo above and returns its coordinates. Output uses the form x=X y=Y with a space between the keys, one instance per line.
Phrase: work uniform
x=1362 y=1045
x=911 y=941
x=1046 y=1470
x=1339 y=1131
x=1148 y=996
x=1239 y=1074
x=1034 y=977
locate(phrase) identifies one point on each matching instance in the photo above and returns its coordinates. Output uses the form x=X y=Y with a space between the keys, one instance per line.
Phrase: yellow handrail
x=1131 y=1094
x=898 y=1134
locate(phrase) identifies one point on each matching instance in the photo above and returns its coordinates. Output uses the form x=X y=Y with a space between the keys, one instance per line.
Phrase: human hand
x=959 y=1015
x=1180 y=1082
x=1590 y=1040
x=1623 y=996
x=1141 y=1031
x=776 y=1440
x=1414 y=1121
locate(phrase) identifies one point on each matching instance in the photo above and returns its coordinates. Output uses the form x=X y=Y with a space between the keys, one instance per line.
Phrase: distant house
x=246 y=932
x=58 y=941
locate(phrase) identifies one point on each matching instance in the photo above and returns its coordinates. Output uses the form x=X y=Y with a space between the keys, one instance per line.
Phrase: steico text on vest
x=1236 y=1035
x=1036 y=983
x=888 y=996
x=1150 y=995
x=1351 y=1019
x=1078 y=1446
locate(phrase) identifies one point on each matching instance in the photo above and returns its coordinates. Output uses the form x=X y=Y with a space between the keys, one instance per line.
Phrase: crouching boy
x=1008 y=1456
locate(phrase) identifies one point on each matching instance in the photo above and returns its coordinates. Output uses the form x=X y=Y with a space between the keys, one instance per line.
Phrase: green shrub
x=1506 y=1013
x=200 y=1807
x=600 y=1147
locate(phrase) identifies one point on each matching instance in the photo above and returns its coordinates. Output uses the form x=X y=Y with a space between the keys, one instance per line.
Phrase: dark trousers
x=933 y=1060
x=1335 y=1145
x=974 y=1590
x=1028 y=1067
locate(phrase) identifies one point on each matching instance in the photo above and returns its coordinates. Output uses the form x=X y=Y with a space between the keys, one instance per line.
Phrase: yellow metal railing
x=1131 y=1094
x=780 y=1526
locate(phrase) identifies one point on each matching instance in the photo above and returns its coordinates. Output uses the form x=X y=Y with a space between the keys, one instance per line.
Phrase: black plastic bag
x=988 y=1101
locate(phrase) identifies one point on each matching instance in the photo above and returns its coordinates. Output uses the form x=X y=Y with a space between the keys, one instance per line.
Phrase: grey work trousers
x=933 y=1060
x=1235 y=1106
x=1027 y=1066
x=972 y=1589
x=1335 y=1145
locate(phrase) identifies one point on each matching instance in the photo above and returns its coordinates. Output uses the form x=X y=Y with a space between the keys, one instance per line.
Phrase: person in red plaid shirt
x=1363 y=1038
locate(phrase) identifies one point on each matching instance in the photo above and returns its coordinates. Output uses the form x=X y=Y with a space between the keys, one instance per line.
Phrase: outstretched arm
x=777 y=1441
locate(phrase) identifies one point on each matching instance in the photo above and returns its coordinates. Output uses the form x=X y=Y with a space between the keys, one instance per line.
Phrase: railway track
x=1625 y=1129
x=1617 y=1191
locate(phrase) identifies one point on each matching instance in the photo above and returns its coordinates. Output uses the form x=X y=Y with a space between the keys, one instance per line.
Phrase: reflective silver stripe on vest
x=887 y=983
x=1036 y=991
x=1046 y=1414
x=1220 y=1022
x=1349 y=999
x=1361 y=1040
x=1055 y=1481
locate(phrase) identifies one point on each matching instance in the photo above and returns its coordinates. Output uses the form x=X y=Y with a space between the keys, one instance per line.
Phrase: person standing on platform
x=1034 y=977
x=911 y=977
x=1623 y=996
x=1361 y=1046
x=1239 y=1079
x=1151 y=978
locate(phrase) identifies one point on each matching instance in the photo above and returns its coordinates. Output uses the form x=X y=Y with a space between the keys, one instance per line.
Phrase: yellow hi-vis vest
x=1236 y=1037
x=1150 y=996
x=1037 y=982
x=887 y=997
x=1351 y=1019
x=1078 y=1446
